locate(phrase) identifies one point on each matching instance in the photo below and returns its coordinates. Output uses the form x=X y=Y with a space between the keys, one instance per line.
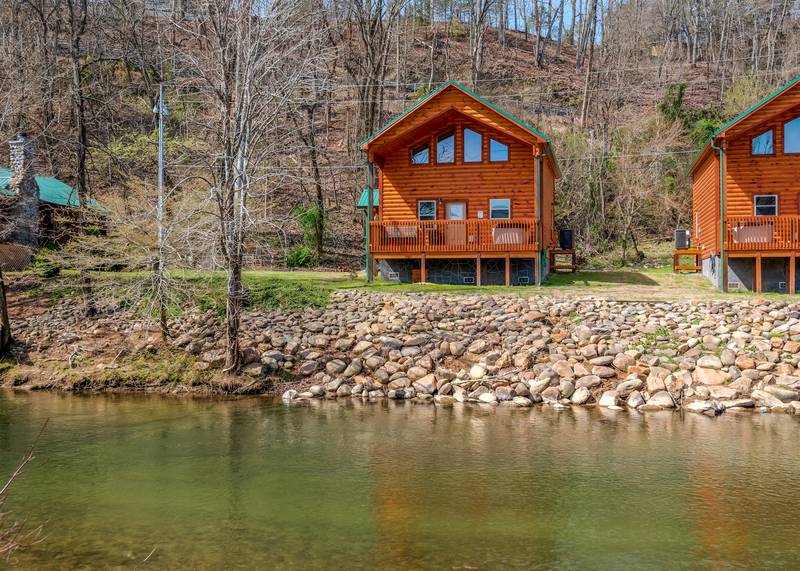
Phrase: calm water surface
x=247 y=484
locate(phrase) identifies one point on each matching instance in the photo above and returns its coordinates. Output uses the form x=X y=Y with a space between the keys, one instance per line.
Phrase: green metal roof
x=51 y=190
x=363 y=201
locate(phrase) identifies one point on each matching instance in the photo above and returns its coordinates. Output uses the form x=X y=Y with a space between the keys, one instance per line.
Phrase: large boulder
x=426 y=384
x=709 y=376
x=609 y=398
x=662 y=399
x=581 y=396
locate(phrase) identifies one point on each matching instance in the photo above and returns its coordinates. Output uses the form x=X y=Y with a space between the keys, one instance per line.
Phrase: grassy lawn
x=294 y=290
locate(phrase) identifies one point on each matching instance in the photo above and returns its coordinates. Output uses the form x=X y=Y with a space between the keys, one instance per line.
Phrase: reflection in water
x=248 y=483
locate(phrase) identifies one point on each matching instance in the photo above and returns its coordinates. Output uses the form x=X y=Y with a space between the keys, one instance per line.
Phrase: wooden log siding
x=404 y=184
x=705 y=205
x=453 y=236
x=748 y=175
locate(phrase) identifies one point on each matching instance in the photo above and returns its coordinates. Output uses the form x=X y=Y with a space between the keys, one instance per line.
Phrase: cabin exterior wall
x=705 y=205
x=747 y=175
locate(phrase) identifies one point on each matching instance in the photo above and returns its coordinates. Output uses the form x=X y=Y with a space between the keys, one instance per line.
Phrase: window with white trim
x=426 y=209
x=763 y=144
x=500 y=208
x=497 y=151
x=765 y=205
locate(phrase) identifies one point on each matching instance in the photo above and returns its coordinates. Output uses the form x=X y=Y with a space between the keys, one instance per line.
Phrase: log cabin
x=35 y=210
x=462 y=193
x=746 y=199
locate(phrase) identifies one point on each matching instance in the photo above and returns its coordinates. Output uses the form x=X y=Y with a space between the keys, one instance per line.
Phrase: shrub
x=45 y=263
x=300 y=257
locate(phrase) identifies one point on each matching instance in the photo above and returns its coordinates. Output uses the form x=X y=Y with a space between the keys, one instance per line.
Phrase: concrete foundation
x=742 y=273
x=459 y=271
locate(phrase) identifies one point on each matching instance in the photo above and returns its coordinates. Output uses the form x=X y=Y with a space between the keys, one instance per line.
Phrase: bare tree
x=479 y=11
x=254 y=55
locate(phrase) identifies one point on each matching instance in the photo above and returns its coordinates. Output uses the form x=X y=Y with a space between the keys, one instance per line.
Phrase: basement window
x=497 y=151
x=446 y=148
x=791 y=136
x=420 y=155
x=763 y=144
x=765 y=205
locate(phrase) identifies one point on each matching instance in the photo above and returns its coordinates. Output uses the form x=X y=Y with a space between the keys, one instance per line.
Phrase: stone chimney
x=22 y=184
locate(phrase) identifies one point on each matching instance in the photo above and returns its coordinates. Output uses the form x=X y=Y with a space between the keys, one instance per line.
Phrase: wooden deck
x=756 y=234
x=453 y=238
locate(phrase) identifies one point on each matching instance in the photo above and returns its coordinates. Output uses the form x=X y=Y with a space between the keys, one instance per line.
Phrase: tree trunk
x=87 y=291
x=588 y=79
x=233 y=312
x=78 y=16
x=5 y=320
x=319 y=218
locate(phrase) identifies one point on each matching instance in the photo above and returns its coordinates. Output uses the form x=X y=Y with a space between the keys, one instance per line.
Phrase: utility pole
x=160 y=285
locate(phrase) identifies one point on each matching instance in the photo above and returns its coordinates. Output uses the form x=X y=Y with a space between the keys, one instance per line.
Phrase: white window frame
x=755 y=208
x=435 y=210
x=491 y=208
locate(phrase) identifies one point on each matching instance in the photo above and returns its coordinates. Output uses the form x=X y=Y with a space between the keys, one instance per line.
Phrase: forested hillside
x=265 y=112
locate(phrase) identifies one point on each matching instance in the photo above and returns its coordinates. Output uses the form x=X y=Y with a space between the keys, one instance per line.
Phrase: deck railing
x=753 y=233
x=452 y=236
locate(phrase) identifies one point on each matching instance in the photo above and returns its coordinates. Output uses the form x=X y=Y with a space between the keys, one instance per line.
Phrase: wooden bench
x=571 y=265
x=676 y=262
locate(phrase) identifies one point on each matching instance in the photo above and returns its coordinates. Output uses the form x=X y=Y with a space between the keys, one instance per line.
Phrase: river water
x=254 y=484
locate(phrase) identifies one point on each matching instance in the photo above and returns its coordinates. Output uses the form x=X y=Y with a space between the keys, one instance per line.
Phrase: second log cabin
x=745 y=205
x=462 y=193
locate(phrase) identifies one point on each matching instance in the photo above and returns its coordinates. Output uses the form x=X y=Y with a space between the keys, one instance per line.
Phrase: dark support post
x=423 y=274
x=792 y=272
x=478 y=269
x=758 y=273
x=508 y=270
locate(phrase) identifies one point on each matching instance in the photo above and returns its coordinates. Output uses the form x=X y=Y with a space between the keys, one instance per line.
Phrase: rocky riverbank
x=501 y=350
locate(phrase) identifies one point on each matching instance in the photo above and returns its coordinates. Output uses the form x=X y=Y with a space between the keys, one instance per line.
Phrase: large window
x=765 y=205
x=500 y=208
x=426 y=209
x=791 y=136
x=473 y=146
x=446 y=148
x=420 y=155
x=497 y=151
x=763 y=144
